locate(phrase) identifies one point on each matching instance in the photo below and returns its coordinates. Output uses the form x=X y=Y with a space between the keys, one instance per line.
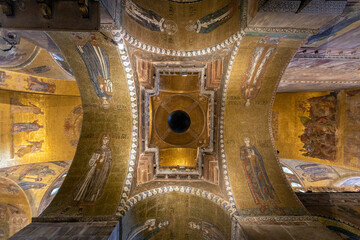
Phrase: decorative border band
x=319 y=81
x=122 y=34
x=122 y=209
x=281 y=30
x=119 y=37
x=221 y=125
x=272 y=219
x=134 y=113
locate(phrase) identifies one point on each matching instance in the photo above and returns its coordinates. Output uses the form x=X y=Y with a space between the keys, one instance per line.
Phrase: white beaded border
x=119 y=34
x=180 y=189
x=134 y=113
x=221 y=125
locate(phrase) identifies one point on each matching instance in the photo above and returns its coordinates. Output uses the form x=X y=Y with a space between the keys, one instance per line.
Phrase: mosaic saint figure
x=257 y=178
x=26 y=127
x=32 y=147
x=72 y=126
x=26 y=185
x=317 y=172
x=33 y=84
x=18 y=107
x=147 y=230
x=3 y=77
x=91 y=186
x=35 y=172
x=251 y=85
x=213 y=20
x=208 y=231
x=97 y=64
x=333 y=30
x=15 y=218
x=149 y=19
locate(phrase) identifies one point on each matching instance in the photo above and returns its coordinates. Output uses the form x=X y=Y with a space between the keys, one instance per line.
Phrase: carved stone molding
x=108 y=27
x=281 y=30
x=319 y=82
x=213 y=73
x=160 y=69
x=125 y=206
x=171 y=52
x=328 y=53
x=76 y=219
x=275 y=219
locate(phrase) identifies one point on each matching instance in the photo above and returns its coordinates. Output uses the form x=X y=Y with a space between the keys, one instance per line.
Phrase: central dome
x=179 y=121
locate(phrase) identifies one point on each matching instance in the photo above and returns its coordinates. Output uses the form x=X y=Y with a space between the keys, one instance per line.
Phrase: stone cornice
x=77 y=219
x=281 y=30
x=275 y=219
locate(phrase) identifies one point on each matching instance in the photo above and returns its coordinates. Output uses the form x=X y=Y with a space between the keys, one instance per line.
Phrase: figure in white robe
x=91 y=186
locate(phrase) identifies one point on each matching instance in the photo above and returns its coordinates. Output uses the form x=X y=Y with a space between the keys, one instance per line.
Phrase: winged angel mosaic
x=97 y=64
x=213 y=20
x=150 y=19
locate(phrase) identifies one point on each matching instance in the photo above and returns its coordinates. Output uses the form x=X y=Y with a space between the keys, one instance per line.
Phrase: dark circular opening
x=179 y=121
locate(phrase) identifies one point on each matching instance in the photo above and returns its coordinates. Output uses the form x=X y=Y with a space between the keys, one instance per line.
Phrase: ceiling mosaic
x=329 y=60
x=176 y=117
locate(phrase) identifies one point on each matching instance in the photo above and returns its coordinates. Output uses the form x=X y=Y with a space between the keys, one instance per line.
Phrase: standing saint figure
x=32 y=147
x=257 y=178
x=17 y=106
x=26 y=127
x=91 y=186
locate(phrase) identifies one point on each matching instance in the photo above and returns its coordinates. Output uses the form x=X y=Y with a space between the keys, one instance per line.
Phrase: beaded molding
x=221 y=125
x=134 y=113
x=272 y=219
x=119 y=34
x=229 y=206
x=121 y=211
x=119 y=37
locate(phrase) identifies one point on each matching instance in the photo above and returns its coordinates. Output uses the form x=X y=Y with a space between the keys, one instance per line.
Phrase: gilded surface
x=177 y=92
x=173 y=157
x=176 y=216
x=34 y=179
x=34 y=130
x=342 y=229
x=46 y=65
x=29 y=83
x=104 y=145
x=188 y=26
x=248 y=147
x=14 y=207
x=320 y=127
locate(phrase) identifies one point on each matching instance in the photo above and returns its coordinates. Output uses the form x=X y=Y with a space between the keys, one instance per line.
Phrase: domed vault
x=176 y=138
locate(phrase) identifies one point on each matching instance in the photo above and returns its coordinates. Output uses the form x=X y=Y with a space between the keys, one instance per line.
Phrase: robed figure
x=98 y=66
x=26 y=127
x=91 y=186
x=258 y=181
